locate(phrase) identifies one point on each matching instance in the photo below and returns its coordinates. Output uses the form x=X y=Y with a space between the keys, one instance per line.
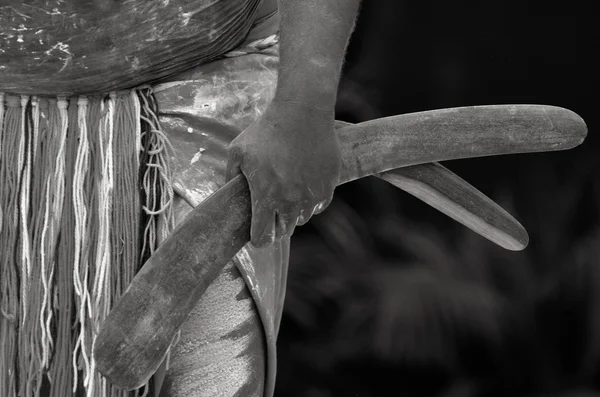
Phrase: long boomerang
x=137 y=333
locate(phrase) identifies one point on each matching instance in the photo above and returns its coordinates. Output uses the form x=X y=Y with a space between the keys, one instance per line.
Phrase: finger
x=322 y=206
x=234 y=162
x=301 y=220
x=305 y=215
x=285 y=223
x=308 y=212
x=262 y=231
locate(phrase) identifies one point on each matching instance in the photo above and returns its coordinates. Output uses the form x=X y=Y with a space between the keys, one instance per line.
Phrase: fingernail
x=319 y=207
x=300 y=219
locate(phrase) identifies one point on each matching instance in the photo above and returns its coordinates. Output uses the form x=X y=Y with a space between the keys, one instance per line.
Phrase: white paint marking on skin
x=186 y=18
x=319 y=63
x=64 y=49
x=196 y=194
x=166 y=86
x=17 y=12
x=54 y=11
x=318 y=207
x=197 y=156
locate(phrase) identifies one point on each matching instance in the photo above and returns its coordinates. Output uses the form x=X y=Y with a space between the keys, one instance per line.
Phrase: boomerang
x=402 y=150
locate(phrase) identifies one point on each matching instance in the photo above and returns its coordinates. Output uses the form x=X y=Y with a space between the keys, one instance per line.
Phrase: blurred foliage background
x=386 y=296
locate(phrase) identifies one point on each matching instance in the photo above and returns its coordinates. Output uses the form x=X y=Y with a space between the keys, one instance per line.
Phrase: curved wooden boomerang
x=139 y=330
x=448 y=193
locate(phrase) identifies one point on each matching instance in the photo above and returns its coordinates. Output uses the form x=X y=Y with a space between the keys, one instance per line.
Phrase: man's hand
x=291 y=155
x=291 y=158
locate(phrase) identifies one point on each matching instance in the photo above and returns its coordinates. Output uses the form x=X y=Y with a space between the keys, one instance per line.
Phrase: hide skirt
x=225 y=349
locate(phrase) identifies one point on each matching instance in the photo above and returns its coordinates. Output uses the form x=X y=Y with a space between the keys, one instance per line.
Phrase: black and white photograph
x=299 y=198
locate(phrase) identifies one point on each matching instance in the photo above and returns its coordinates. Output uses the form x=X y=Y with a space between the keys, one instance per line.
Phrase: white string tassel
x=1 y=138
x=138 y=126
x=1 y=114
x=48 y=239
x=58 y=184
x=45 y=307
x=80 y=211
x=35 y=103
x=24 y=164
x=103 y=248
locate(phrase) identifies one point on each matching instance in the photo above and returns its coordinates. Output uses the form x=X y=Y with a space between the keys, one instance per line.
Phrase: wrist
x=314 y=86
x=308 y=109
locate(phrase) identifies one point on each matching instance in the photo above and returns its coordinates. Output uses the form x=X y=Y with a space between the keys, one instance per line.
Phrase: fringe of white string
x=86 y=198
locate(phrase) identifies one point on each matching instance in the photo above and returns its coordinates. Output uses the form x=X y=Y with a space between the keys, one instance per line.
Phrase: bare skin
x=291 y=155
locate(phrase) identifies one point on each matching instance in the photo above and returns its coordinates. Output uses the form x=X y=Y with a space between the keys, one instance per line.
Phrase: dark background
x=388 y=297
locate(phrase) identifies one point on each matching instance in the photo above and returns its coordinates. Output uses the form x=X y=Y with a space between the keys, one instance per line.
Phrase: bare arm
x=313 y=39
x=291 y=156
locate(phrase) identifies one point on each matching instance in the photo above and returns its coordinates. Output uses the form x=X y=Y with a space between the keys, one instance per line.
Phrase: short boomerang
x=402 y=150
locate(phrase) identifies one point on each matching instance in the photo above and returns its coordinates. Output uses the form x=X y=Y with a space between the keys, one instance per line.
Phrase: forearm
x=313 y=39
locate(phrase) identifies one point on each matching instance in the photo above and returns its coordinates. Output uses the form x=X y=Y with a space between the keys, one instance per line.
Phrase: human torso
x=90 y=46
